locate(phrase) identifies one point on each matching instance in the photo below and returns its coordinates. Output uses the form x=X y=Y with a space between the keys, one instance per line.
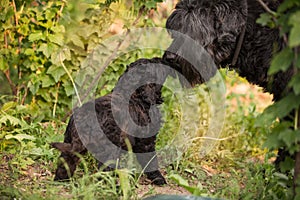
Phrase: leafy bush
x=286 y=134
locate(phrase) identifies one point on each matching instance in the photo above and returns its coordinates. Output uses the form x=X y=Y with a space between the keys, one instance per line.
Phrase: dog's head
x=213 y=25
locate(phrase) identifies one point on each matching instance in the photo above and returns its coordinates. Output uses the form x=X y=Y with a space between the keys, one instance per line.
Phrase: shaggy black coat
x=217 y=26
x=143 y=110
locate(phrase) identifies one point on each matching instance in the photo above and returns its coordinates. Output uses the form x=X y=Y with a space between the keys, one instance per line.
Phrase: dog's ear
x=63 y=147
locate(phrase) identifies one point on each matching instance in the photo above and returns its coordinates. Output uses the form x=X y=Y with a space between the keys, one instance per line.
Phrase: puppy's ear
x=63 y=147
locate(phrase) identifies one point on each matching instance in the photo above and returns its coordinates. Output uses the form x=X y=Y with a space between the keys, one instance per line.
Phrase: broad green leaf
x=68 y=87
x=56 y=72
x=264 y=19
x=287 y=4
x=286 y=166
x=179 y=179
x=58 y=29
x=50 y=14
x=272 y=141
x=282 y=61
x=34 y=87
x=294 y=39
x=57 y=38
x=20 y=137
x=150 y=4
x=60 y=56
x=80 y=77
x=295 y=84
x=47 y=49
x=47 y=81
x=283 y=107
x=77 y=41
x=29 y=52
x=3 y=64
x=36 y=36
x=289 y=137
x=44 y=92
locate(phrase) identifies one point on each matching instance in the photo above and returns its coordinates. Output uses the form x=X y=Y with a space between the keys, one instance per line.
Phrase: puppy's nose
x=169 y=56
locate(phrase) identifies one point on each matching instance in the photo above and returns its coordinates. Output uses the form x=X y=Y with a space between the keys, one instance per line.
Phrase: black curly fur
x=216 y=25
x=142 y=109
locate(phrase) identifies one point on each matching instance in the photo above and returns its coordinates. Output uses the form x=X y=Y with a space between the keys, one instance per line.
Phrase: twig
x=56 y=100
x=60 y=12
x=25 y=93
x=11 y=84
x=5 y=39
x=72 y=80
x=7 y=72
x=266 y=7
x=15 y=11
x=216 y=139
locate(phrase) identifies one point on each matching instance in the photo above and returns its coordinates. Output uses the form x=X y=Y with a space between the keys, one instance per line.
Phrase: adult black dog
x=228 y=31
x=129 y=116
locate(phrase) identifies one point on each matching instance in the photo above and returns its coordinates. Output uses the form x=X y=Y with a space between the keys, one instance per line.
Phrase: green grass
x=236 y=168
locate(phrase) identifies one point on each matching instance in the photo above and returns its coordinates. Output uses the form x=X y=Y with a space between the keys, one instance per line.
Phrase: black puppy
x=129 y=114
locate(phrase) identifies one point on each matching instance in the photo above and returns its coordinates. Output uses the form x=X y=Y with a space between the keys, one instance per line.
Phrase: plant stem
x=72 y=80
x=297 y=157
x=267 y=9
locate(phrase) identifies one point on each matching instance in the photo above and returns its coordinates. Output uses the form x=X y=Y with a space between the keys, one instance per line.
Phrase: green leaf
x=150 y=4
x=285 y=166
x=61 y=55
x=57 y=38
x=20 y=137
x=264 y=19
x=9 y=105
x=77 y=41
x=50 y=14
x=282 y=61
x=80 y=77
x=56 y=72
x=272 y=141
x=47 y=81
x=295 y=84
x=12 y=120
x=282 y=108
x=36 y=36
x=287 y=4
x=68 y=87
x=44 y=92
x=34 y=87
x=3 y=64
x=47 y=49
x=294 y=39
x=179 y=180
x=29 y=52
x=124 y=183
x=289 y=137
x=58 y=29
